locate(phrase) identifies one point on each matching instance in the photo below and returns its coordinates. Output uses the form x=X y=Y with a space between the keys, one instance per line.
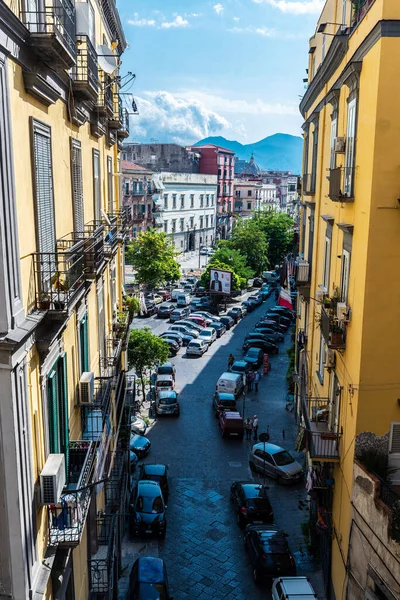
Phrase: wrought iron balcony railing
x=67 y=518
x=123 y=132
x=308 y=184
x=101 y=564
x=115 y=121
x=52 y=32
x=85 y=73
x=93 y=247
x=322 y=438
x=341 y=184
x=333 y=330
x=105 y=105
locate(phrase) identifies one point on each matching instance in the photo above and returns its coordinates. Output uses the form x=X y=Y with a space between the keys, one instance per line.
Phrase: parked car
x=257 y=282
x=165 y=294
x=158 y=473
x=255 y=298
x=281 y=320
x=196 y=347
x=200 y=291
x=175 y=293
x=173 y=347
x=183 y=330
x=219 y=328
x=276 y=336
x=275 y=462
x=133 y=460
x=140 y=445
x=293 y=588
x=147 y=510
x=189 y=288
x=197 y=320
x=259 y=335
x=266 y=346
x=254 y=357
x=204 y=251
x=284 y=311
x=194 y=304
x=164 y=383
x=182 y=340
x=148 y=579
x=208 y=317
x=164 y=310
x=240 y=366
x=267 y=323
x=138 y=425
x=167 y=369
x=149 y=309
x=231 y=423
x=156 y=298
x=227 y=321
x=235 y=313
x=178 y=314
x=222 y=401
x=167 y=403
x=190 y=324
x=251 y=503
x=265 y=291
x=269 y=552
x=248 y=306
x=208 y=334
x=231 y=383
x=183 y=300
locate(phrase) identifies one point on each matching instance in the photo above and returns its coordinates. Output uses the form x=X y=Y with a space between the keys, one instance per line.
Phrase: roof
x=152 y=469
x=219 y=148
x=231 y=376
x=225 y=396
x=131 y=167
x=271 y=448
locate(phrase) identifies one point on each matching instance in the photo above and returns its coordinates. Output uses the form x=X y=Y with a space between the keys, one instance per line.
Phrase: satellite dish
x=108 y=62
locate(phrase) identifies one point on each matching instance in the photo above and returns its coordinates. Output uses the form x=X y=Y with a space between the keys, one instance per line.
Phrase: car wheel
x=252 y=466
x=256 y=576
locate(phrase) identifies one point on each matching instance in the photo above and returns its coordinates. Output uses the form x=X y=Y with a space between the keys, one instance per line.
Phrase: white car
x=196 y=348
x=292 y=588
x=138 y=425
x=204 y=251
x=208 y=334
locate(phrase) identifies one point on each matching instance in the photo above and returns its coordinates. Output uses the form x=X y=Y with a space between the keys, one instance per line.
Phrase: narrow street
x=203 y=548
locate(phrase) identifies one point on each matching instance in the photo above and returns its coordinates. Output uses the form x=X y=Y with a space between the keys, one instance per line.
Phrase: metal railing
x=101 y=565
x=113 y=352
x=360 y=8
x=386 y=493
x=341 y=184
x=105 y=97
x=308 y=183
x=114 y=487
x=322 y=440
x=125 y=121
x=93 y=247
x=85 y=72
x=303 y=273
x=67 y=518
x=94 y=414
x=57 y=19
x=333 y=330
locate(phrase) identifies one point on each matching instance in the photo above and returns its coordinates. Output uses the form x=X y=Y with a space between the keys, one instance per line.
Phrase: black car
x=235 y=313
x=165 y=310
x=140 y=445
x=269 y=552
x=147 y=510
x=218 y=327
x=157 y=473
x=148 y=580
x=251 y=503
x=227 y=321
x=257 y=282
x=249 y=306
x=259 y=335
x=265 y=346
x=272 y=324
x=173 y=346
x=276 y=336
x=281 y=320
x=181 y=338
x=284 y=311
x=222 y=401
x=254 y=357
x=241 y=367
x=150 y=309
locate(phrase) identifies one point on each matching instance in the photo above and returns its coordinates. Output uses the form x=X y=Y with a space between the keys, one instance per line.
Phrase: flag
x=285 y=298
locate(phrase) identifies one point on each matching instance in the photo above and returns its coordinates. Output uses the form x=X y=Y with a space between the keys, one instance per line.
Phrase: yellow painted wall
x=80 y=566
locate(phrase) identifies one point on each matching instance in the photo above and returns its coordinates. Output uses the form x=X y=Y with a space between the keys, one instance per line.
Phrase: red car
x=197 y=320
x=165 y=294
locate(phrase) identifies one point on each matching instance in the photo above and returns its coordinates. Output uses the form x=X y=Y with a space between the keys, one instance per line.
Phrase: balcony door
x=334 y=404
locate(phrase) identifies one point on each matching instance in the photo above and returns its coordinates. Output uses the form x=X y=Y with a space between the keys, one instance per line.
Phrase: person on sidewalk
x=255 y=428
x=231 y=360
x=248 y=426
x=256 y=380
x=248 y=381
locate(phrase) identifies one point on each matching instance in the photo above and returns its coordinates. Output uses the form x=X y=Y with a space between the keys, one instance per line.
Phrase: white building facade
x=187 y=208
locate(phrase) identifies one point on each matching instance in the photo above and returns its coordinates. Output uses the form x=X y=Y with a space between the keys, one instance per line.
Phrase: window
x=327 y=263
x=142 y=209
x=191 y=200
x=149 y=207
x=165 y=226
x=314 y=158
x=322 y=353
x=182 y=200
x=219 y=172
x=206 y=221
x=44 y=195
x=313 y=63
x=173 y=225
x=166 y=201
x=181 y=224
x=332 y=163
x=344 y=275
x=211 y=220
x=110 y=185
x=208 y=200
x=91 y=22
x=201 y=200
x=350 y=144
x=212 y=199
x=83 y=345
x=344 y=12
x=57 y=402
x=173 y=200
x=191 y=222
x=126 y=188
x=96 y=186
x=101 y=326
x=237 y=193
x=249 y=206
x=323 y=46
x=201 y=222
x=226 y=173
x=249 y=192
x=77 y=184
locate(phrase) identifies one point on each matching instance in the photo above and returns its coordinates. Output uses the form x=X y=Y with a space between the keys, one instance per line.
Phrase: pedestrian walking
x=231 y=360
x=248 y=381
x=248 y=426
x=257 y=378
x=255 y=428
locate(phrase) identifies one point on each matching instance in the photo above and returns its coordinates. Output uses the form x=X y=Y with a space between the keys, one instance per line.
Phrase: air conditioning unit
x=342 y=311
x=340 y=145
x=86 y=387
x=330 y=359
x=52 y=479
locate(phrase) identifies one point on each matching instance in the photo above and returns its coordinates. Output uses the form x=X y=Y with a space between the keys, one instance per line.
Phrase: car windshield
x=253 y=352
x=164 y=383
x=239 y=368
x=149 y=505
x=258 y=503
x=283 y=458
x=167 y=401
x=164 y=370
x=206 y=333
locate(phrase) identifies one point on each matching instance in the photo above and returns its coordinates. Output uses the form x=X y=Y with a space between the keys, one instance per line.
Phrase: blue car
x=148 y=579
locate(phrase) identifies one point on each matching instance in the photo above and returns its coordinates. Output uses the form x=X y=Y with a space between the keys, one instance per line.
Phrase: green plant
x=145 y=352
x=291 y=352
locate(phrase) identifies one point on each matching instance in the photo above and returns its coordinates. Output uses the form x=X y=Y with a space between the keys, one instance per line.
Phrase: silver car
x=275 y=462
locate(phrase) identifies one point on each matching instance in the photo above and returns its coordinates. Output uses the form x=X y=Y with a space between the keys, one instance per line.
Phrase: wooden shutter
x=84 y=344
x=44 y=196
x=52 y=399
x=110 y=185
x=77 y=184
x=63 y=409
x=350 y=147
x=96 y=186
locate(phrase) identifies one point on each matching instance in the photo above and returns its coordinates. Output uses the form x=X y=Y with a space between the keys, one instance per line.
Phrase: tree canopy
x=145 y=352
x=279 y=233
x=250 y=240
x=152 y=255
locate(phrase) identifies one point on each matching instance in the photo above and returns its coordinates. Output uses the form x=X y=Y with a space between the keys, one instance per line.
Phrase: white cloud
x=136 y=22
x=264 y=31
x=218 y=8
x=168 y=117
x=295 y=7
x=236 y=19
x=177 y=22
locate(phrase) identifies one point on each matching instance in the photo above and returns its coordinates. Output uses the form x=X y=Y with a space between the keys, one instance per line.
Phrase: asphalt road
x=203 y=548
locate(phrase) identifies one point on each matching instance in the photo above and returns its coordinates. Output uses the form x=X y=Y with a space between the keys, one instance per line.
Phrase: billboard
x=220 y=281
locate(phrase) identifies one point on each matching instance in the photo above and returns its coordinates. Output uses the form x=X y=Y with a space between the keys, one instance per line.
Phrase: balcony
x=116 y=120
x=321 y=438
x=93 y=247
x=309 y=184
x=333 y=330
x=102 y=567
x=105 y=106
x=67 y=518
x=110 y=361
x=115 y=486
x=60 y=277
x=85 y=73
x=303 y=273
x=157 y=221
x=123 y=131
x=341 y=186
x=52 y=32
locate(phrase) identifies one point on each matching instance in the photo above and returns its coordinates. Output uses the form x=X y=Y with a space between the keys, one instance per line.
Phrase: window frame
x=350 y=153
x=77 y=185
x=321 y=358
x=96 y=185
x=110 y=191
x=345 y=275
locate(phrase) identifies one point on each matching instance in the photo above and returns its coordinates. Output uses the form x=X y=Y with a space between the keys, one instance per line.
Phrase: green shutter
x=63 y=407
x=52 y=398
x=84 y=344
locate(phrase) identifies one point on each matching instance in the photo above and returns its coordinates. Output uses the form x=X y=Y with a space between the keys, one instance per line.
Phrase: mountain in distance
x=280 y=151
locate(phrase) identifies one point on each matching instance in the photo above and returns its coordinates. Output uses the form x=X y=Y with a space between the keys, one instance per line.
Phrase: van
x=270 y=276
x=165 y=383
x=231 y=423
x=176 y=293
x=231 y=383
x=183 y=300
x=292 y=588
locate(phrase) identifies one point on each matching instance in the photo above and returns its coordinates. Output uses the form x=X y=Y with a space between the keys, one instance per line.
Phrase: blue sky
x=232 y=68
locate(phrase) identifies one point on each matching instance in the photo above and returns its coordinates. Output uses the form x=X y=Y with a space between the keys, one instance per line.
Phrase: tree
x=145 y=352
x=279 y=233
x=236 y=261
x=152 y=255
x=250 y=240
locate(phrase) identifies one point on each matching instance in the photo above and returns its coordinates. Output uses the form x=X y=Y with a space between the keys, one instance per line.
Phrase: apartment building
x=162 y=157
x=252 y=195
x=347 y=340
x=137 y=191
x=62 y=325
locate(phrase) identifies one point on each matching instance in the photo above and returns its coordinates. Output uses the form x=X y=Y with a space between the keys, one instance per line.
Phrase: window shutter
x=84 y=344
x=63 y=407
x=394 y=442
x=43 y=180
x=110 y=185
x=96 y=185
x=77 y=184
x=52 y=399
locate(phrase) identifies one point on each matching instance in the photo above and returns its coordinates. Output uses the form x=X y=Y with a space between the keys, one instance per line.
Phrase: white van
x=293 y=588
x=230 y=383
x=270 y=276
x=183 y=300
x=176 y=293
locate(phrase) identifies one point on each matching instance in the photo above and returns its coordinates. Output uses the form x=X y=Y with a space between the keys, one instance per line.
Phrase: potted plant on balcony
x=336 y=334
x=44 y=301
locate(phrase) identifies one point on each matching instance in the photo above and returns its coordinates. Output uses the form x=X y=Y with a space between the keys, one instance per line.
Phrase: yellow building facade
x=62 y=323
x=347 y=338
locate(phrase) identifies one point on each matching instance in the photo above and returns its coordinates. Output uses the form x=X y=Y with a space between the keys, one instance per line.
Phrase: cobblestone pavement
x=203 y=548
